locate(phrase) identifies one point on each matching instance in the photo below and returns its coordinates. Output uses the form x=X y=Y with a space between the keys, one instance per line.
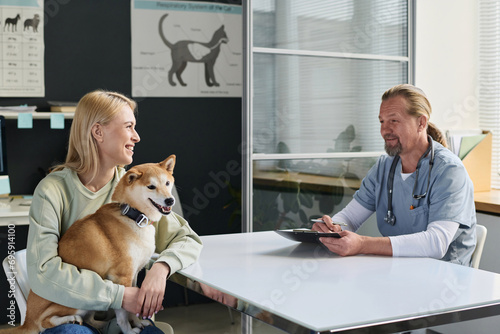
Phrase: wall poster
x=22 y=48
x=186 y=49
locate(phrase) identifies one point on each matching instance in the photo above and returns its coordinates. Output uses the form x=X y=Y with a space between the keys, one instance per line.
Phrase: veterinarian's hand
x=351 y=243
x=327 y=226
x=150 y=298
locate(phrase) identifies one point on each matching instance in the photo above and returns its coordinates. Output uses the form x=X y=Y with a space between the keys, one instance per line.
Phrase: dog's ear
x=168 y=164
x=133 y=175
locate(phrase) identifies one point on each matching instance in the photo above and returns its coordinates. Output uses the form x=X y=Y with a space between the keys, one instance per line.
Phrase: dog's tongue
x=165 y=210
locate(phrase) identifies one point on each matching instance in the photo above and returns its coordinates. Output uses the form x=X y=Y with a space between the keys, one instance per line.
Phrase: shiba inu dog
x=116 y=242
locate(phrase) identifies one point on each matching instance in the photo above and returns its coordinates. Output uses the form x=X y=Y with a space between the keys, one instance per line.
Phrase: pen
x=322 y=221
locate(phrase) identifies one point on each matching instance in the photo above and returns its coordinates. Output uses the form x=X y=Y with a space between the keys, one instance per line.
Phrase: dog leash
x=140 y=218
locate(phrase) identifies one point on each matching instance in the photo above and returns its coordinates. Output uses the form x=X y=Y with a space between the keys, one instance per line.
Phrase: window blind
x=321 y=66
x=489 y=79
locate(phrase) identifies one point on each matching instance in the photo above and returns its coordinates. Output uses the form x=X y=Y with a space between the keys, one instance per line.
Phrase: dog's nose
x=169 y=201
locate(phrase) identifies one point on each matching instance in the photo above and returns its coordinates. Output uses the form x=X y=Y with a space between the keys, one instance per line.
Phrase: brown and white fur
x=110 y=244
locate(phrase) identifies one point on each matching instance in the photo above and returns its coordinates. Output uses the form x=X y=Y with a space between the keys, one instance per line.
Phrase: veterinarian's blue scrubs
x=450 y=197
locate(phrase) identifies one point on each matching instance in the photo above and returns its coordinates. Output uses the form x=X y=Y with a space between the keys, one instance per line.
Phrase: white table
x=305 y=289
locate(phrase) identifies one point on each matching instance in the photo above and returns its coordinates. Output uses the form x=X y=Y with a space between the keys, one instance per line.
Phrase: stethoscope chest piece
x=390 y=218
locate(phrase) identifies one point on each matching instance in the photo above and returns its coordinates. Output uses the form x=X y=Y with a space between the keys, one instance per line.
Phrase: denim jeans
x=86 y=329
x=72 y=328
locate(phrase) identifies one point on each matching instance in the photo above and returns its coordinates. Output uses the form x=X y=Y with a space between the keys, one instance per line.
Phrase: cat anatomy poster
x=186 y=49
x=22 y=55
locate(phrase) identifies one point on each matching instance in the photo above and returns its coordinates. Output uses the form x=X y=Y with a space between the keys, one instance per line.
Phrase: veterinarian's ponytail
x=417 y=105
x=95 y=107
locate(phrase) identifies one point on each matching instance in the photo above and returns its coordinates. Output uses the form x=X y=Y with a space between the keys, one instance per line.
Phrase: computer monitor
x=3 y=148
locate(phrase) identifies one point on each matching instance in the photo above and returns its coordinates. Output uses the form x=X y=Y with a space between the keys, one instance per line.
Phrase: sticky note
x=57 y=121
x=4 y=184
x=25 y=121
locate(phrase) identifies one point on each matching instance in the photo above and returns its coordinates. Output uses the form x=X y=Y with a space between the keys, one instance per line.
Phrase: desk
x=488 y=201
x=307 y=181
x=305 y=289
x=16 y=213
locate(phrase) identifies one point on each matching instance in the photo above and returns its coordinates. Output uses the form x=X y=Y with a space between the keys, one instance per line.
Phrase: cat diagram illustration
x=186 y=51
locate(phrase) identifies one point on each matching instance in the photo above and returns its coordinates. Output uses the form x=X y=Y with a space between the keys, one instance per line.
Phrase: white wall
x=446 y=60
x=446 y=69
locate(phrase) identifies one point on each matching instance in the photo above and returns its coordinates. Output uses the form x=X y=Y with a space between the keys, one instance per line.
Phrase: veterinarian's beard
x=393 y=150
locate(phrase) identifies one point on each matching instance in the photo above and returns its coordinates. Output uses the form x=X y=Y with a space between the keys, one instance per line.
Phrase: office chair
x=177 y=208
x=481 y=233
x=17 y=275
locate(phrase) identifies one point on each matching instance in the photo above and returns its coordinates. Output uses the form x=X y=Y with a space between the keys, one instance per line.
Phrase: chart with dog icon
x=22 y=48
x=186 y=49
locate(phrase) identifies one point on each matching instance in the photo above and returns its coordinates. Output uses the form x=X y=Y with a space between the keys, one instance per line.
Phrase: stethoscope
x=390 y=218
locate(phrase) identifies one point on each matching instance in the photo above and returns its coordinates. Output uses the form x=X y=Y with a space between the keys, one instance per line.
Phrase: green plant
x=234 y=202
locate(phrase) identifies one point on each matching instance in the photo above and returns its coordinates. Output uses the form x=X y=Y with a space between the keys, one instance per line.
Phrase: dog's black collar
x=140 y=218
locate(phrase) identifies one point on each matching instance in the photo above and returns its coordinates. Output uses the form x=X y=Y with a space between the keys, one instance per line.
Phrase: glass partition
x=318 y=71
x=289 y=193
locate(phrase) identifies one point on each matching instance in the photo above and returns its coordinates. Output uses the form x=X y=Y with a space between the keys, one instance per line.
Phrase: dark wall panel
x=87 y=46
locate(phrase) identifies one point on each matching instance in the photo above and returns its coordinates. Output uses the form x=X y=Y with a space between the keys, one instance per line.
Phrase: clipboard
x=304 y=235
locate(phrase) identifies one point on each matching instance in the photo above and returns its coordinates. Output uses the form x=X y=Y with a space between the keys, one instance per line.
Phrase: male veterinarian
x=420 y=192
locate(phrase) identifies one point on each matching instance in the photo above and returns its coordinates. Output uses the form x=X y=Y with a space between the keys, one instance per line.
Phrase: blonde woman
x=102 y=141
x=420 y=191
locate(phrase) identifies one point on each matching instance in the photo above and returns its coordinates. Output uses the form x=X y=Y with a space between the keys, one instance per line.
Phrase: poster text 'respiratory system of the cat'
x=186 y=49
x=22 y=48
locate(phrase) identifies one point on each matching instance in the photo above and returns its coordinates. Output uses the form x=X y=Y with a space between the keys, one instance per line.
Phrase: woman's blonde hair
x=418 y=105
x=100 y=107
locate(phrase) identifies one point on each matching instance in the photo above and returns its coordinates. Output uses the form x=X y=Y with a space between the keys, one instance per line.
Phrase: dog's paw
x=132 y=331
x=145 y=323
x=141 y=323
x=78 y=320
x=69 y=319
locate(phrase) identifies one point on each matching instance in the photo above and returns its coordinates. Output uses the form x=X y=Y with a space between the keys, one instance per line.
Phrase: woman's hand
x=152 y=291
x=129 y=302
x=147 y=301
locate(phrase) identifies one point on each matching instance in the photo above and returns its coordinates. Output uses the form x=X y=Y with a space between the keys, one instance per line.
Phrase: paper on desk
x=454 y=138
x=468 y=143
x=62 y=103
x=23 y=108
